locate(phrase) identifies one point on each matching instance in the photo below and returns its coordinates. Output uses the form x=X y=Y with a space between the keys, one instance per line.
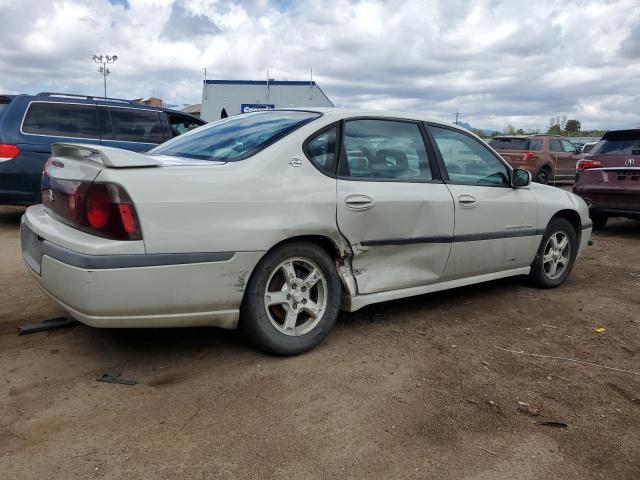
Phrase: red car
x=608 y=178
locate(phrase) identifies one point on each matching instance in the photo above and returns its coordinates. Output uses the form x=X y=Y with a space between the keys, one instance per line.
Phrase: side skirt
x=351 y=304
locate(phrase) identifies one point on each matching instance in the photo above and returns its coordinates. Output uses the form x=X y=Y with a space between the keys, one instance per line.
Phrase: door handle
x=467 y=201
x=358 y=202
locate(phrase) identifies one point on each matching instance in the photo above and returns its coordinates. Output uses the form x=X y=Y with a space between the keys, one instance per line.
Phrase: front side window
x=321 y=150
x=131 y=125
x=235 y=138
x=180 y=124
x=467 y=160
x=384 y=150
x=61 y=120
x=568 y=146
x=555 y=146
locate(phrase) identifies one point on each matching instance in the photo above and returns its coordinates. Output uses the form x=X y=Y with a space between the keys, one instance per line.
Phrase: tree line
x=559 y=125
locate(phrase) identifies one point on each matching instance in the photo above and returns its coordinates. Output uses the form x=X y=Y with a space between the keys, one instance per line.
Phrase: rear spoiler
x=110 y=157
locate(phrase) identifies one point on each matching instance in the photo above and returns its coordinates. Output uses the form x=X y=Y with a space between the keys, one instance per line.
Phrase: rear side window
x=61 y=120
x=321 y=150
x=384 y=150
x=236 y=138
x=516 y=144
x=131 y=125
x=555 y=146
x=618 y=143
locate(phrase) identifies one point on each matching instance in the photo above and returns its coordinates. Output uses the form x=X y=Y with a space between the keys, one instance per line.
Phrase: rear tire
x=292 y=300
x=599 y=220
x=556 y=255
x=543 y=176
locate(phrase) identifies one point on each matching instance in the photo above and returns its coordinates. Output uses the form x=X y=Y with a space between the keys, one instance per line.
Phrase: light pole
x=103 y=60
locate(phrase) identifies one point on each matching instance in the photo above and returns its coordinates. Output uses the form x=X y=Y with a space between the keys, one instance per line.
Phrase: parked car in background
x=548 y=158
x=608 y=178
x=587 y=147
x=275 y=220
x=29 y=124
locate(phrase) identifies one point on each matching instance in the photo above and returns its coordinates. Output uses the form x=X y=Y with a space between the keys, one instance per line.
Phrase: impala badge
x=630 y=162
x=295 y=162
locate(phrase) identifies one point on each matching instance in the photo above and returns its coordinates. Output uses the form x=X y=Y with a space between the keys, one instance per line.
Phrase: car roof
x=94 y=100
x=343 y=113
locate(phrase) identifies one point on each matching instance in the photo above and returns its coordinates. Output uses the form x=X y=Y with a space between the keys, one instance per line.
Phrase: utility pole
x=103 y=60
x=457 y=113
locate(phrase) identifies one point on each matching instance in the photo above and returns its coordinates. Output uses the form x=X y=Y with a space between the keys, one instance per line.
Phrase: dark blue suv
x=29 y=124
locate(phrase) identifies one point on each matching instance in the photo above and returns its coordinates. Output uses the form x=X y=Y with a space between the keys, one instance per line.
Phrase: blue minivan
x=29 y=124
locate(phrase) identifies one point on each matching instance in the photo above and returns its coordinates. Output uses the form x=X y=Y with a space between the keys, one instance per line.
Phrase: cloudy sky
x=497 y=62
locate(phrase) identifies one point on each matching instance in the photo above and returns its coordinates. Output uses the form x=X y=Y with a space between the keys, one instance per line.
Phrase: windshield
x=625 y=142
x=515 y=144
x=235 y=138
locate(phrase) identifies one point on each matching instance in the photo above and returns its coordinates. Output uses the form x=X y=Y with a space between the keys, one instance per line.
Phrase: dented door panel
x=401 y=238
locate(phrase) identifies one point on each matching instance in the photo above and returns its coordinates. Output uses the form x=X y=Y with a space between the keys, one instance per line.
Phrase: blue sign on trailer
x=256 y=107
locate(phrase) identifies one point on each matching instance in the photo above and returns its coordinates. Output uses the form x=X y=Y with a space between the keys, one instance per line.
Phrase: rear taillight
x=8 y=152
x=103 y=209
x=585 y=164
x=528 y=155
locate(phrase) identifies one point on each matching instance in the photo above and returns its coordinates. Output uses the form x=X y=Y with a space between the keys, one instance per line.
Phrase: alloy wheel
x=557 y=255
x=295 y=297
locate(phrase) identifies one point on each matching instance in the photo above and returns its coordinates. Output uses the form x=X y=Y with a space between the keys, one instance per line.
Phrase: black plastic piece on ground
x=553 y=424
x=52 y=324
x=115 y=378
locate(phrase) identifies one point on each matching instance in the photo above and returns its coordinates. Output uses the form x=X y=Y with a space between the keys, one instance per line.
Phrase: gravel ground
x=407 y=389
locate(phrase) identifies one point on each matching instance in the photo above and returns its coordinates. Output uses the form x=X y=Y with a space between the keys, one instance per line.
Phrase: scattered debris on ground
x=115 y=378
x=47 y=325
x=528 y=409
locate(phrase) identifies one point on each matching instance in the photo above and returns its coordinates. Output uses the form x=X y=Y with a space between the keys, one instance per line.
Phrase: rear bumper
x=611 y=202
x=140 y=290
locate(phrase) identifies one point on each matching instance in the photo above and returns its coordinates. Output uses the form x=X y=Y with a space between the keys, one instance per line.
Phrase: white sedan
x=274 y=221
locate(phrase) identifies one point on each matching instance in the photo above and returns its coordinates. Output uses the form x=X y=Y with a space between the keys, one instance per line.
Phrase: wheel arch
x=546 y=166
x=573 y=217
x=339 y=250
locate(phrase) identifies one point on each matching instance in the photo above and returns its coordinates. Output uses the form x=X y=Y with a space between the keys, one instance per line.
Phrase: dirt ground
x=406 y=389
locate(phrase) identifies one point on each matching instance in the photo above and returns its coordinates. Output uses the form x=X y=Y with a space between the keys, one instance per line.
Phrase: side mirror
x=520 y=177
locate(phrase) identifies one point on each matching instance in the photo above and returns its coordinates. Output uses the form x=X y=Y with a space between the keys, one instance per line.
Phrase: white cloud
x=497 y=62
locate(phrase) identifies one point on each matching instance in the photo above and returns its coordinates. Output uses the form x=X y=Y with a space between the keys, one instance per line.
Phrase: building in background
x=194 y=109
x=224 y=98
x=149 y=102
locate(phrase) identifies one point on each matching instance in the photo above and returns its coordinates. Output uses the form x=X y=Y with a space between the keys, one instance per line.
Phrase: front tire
x=292 y=300
x=599 y=220
x=556 y=255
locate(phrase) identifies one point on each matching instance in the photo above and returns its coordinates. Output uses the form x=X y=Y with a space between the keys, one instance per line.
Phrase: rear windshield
x=516 y=144
x=618 y=143
x=235 y=138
